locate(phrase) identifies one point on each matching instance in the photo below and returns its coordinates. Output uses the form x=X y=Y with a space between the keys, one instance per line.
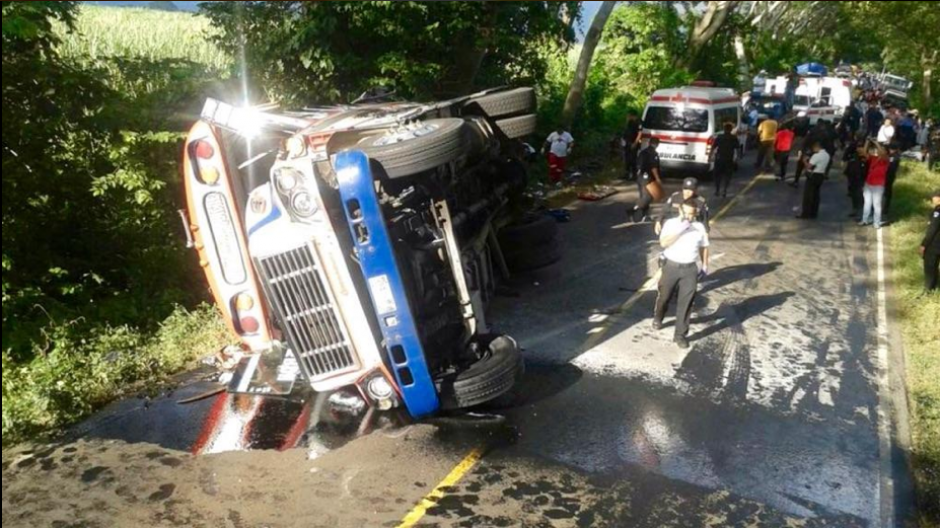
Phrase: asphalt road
x=780 y=414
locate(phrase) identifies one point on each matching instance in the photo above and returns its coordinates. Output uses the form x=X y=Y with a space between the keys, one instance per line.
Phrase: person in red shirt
x=875 y=181
x=782 y=146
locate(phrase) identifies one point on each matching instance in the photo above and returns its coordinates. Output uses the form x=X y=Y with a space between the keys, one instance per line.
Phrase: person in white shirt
x=816 y=166
x=886 y=132
x=559 y=145
x=685 y=244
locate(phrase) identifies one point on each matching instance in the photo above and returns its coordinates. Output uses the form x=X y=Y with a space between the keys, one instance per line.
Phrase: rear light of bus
x=245 y=315
x=709 y=146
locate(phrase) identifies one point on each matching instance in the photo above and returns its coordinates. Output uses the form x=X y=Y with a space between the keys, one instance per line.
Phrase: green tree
x=323 y=52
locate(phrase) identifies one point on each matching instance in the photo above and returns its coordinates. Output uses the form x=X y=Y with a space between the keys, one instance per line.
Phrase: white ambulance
x=687 y=121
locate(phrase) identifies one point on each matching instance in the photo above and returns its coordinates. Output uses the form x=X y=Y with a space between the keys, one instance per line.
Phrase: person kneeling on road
x=930 y=248
x=684 y=241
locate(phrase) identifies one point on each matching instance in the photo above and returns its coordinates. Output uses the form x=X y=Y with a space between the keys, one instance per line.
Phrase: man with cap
x=673 y=206
x=685 y=243
x=930 y=248
x=649 y=172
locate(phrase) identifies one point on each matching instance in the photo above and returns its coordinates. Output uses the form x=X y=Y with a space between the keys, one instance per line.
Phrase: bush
x=78 y=368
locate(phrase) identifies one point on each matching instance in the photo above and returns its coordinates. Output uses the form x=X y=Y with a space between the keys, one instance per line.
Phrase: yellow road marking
x=439 y=492
x=474 y=457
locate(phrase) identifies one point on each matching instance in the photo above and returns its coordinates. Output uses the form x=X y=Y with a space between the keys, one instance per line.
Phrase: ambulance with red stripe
x=687 y=121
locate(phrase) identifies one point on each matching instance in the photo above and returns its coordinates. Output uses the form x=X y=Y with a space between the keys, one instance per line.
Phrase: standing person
x=851 y=123
x=685 y=242
x=829 y=143
x=649 y=172
x=766 y=135
x=886 y=132
x=631 y=145
x=875 y=180
x=559 y=145
x=782 y=146
x=673 y=206
x=855 y=176
x=894 y=165
x=873 y=120
x=930 y=248
x=816 y=168
x=815 y=135
x=726 y=147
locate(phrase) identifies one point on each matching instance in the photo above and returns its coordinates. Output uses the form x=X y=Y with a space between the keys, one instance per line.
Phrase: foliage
x=80 y=367
x=90 y=233
x=919 y=317
x=641 y=45
x=327 y=52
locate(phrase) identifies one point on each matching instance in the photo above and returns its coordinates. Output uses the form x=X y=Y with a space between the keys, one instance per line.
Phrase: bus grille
x=303 y=304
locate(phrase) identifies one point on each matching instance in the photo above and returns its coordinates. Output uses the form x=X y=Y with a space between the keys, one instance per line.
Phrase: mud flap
x=386 y=287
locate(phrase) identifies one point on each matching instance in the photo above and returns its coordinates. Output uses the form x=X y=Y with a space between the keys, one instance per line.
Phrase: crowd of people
x=871 y=137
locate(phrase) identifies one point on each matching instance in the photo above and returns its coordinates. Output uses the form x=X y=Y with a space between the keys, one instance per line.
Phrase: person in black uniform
x=631 y=145
x=649 y=172
x=673 y=206
x=725 y=148
x=894 y=165
x=855 y=171
x=930 y=248
x=814 y=135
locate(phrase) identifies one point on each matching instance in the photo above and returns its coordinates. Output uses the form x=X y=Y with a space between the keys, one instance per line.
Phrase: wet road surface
x=771 y=419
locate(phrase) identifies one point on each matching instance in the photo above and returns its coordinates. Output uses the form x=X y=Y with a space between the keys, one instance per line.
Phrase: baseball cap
x=936 y=194
x=690 y=183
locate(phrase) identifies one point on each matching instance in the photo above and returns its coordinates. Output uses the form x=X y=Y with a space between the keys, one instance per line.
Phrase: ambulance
x=687 y=121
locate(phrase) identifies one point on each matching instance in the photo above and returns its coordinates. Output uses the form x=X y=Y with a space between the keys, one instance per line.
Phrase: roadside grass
x=78 y=369
x=920 y=321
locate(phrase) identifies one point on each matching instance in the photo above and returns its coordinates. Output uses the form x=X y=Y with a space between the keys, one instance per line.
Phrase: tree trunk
x=716 y=14
x=593 y=38
x=744 y=68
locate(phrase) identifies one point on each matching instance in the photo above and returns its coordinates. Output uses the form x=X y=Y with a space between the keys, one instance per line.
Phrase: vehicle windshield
x=802 y=101
x=672 y=119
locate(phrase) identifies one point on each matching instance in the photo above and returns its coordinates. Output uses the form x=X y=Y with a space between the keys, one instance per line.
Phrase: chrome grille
x=300 y=297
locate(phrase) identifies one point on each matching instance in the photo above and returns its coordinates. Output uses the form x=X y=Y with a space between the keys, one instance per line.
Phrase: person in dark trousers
x=685 y=243
x=829 y=143
x=726 y=146
x=648 y=162
x=673 y=206
x=855 y=171
x=631 y=145
x=873 y=121
x=850 y=124
x=782 y=148
x=930 y=248
x=816 y=168
x=815 y=135
x=894 y=165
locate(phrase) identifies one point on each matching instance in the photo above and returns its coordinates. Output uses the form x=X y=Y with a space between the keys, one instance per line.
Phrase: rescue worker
x=685 y=243
x=673 y=206
x=649 y=172
x=930 y=248
x=559 y=145
x=726 y=147
x=631 y=145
